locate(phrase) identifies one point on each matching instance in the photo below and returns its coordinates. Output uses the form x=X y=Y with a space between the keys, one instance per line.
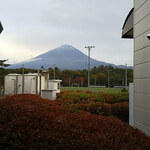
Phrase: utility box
x=53 y=87
x=49 y=94
x=28 y=83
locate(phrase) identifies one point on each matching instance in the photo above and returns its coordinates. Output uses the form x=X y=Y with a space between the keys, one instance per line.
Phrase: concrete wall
x=142 y=65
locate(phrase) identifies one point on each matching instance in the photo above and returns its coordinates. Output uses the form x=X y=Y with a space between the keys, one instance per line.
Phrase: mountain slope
x=64 y=57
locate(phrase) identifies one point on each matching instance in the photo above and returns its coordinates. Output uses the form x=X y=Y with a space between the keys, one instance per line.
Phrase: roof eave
x=127 y=29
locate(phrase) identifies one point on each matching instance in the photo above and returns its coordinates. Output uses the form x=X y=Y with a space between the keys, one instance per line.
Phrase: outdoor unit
x=28 y=83
x=53 y=87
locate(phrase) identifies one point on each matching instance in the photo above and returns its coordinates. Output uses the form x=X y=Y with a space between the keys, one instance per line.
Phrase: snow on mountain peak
x=65 y=48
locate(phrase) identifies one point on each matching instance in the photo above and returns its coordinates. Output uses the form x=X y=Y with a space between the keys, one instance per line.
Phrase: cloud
x=38 y=26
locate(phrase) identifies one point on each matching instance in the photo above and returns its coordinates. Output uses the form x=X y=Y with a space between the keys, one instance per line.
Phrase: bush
x=75 y=95
x=95 y=97
x=112 y=98
x=124 y=90
x=108 y=98
x=89 y=92
x=64 y=102
x=99 y=108
x=98 y=103
x=79 y=91
x=30 y=122
x=121 y=111
x=121 y=97
x=105 y=97
x=78 y=107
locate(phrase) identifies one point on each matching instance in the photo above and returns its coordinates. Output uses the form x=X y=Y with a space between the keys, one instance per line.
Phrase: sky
x=33 y=27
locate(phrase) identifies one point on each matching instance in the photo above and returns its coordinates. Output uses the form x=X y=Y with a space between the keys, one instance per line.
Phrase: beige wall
x=142 y=65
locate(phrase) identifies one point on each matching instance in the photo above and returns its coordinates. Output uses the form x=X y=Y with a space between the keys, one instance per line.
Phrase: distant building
x=33 y=83
x=137 y=26
x=1 y=27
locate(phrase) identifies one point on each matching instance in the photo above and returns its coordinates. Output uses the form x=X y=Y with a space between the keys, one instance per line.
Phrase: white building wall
x=43 y=83
x=32 y=84
x=142 y=65
x=19 y=84
x=10 y=88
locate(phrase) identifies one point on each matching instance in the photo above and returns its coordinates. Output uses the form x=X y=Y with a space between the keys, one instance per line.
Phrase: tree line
x=98 y=75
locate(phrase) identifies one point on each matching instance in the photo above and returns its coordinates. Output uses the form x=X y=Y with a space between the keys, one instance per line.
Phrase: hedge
x=30 y=122
x=121 y=111
x=96 y=97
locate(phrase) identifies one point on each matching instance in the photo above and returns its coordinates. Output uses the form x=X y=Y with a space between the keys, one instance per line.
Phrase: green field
x=95 y=90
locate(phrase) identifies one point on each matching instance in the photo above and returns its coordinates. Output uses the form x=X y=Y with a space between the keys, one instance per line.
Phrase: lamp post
x=108 y=77
x=89 y=49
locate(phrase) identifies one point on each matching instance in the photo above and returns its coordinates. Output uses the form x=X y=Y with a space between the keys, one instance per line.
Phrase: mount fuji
x=64 y=57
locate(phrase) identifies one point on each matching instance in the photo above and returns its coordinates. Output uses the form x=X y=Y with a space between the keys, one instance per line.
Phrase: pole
x=89 y=68
x=23 y=79
x=108 y=77
x=54 y=71
x=126 y=77
x=89 y=49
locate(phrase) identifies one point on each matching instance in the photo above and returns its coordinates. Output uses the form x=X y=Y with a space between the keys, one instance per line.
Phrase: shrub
x=121 y=97
x=89 y=92
x=95 y=97
x=30 y=122
x=105 y=97
x=108 y=98
x=58 y=95
x=99 y=108
x=78 y=107
x=112 y=98
x=63 y=101
x=74 y=95
x=121 y=111
x=97 y=103
x=124 y=90
x=79 y=91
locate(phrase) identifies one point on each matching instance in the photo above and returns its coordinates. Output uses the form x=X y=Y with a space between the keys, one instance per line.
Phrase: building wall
x=142 y=65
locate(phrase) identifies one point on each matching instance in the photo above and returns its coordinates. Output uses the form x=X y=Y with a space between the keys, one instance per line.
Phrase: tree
x=78 y=80
x=2 y=71
x=2 y=64
x=101 y=79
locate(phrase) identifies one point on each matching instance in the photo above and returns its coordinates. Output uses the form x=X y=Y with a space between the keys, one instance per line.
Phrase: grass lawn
x=106 y=90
